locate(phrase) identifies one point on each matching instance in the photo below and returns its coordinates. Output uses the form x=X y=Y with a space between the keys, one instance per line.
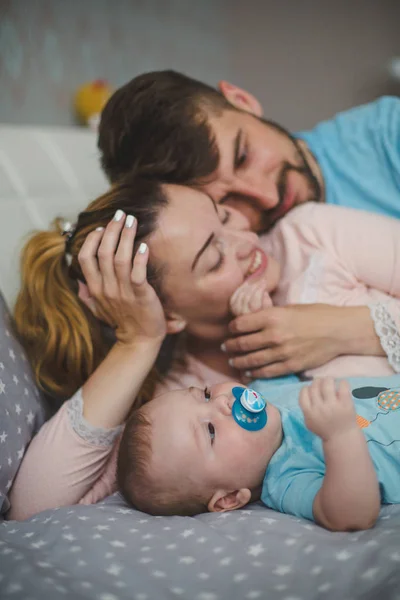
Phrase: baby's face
x=196 y=439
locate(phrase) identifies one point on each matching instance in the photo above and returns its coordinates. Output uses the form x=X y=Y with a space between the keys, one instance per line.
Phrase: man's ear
x=85 y=297
x=223 y=501
x=175 y=323
x=240 y=98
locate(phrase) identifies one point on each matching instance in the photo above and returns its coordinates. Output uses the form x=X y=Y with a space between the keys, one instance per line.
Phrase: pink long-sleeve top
x=328 y=254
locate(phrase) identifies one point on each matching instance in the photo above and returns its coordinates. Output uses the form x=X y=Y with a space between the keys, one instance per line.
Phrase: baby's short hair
x=140 y=486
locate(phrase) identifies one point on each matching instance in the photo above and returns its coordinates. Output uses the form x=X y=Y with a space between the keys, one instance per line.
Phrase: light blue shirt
x=296 y=470
x=359 y=155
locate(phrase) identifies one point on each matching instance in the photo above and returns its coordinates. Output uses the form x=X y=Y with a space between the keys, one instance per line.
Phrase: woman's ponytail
x=63 y=340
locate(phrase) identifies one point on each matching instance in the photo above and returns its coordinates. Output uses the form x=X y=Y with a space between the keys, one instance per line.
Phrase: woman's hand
x=116 y=292
x=289 y=339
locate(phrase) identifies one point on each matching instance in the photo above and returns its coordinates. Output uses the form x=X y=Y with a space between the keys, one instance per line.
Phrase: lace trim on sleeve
x=387 y=332
x=93 y=435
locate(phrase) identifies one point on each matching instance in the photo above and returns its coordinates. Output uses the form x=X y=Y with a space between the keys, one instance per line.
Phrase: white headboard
x=44 y=172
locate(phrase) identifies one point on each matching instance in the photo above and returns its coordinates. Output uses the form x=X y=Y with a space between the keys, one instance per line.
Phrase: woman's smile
x=258 y=264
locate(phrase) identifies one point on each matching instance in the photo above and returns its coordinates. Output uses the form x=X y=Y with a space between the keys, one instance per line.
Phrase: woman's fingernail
x=247 y=373
x=230 y=362
x=130 y=219
x=99 y=228
x=142 y=248
x=118 y=215
x=223 y=347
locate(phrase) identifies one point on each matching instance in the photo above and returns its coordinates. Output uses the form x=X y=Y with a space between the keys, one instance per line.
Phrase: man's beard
x=270 y=217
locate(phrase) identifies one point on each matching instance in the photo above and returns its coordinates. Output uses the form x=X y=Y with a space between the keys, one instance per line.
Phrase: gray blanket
x=109 y=552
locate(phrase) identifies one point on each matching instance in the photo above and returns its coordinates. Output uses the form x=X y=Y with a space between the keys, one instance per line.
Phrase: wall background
x=304 y=59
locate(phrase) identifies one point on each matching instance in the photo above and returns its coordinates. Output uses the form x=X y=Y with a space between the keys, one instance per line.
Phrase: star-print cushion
x=109 y=551
x=22 y=407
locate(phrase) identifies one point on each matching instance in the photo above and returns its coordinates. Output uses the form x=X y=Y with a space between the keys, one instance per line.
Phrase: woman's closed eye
x=219 y=263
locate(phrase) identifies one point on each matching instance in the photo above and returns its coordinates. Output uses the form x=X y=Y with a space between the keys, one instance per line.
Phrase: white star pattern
x=30 y=417
x=38 y=544
x=187 y=533
x=226 y=561
x=255 y=550
x=170 y=546
x=253 y=595
x=2 y=387
x=11 y=354
x=187 y=560
x=370 y=573
x=325 y=587
x=316 y=570
x=3 y=437
x=114 y=569
x=343 y=555
x=18 y=409
x=282 y=570
x=15 y=379
x=20 y=453
x=118 y=544
x=240 y=577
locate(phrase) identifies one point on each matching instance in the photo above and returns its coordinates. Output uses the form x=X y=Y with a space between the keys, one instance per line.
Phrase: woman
x=199 y=256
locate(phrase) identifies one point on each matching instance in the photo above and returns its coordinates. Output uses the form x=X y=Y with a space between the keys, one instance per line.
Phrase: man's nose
x=262 y=191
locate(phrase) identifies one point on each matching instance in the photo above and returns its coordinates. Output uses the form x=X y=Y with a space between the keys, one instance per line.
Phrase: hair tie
x=68 y=230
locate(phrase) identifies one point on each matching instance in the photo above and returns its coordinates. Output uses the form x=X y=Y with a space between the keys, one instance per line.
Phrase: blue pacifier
x=249 y=409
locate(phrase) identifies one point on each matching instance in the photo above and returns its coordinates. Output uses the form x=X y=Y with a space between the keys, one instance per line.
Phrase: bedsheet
x=109 y=551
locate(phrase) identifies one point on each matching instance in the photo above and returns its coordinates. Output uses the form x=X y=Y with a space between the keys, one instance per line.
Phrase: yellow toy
x=90 y=100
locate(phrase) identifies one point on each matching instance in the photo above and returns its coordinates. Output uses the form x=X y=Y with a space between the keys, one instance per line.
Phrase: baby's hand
x=250 y=297
x=327 y=410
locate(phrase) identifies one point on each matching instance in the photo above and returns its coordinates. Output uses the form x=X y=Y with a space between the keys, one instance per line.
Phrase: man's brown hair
x=158 y=122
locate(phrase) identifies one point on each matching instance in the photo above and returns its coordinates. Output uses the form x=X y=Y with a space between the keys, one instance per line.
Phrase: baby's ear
x=223 y=501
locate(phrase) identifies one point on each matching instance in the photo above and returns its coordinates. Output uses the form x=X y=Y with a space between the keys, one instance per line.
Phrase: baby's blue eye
x=211 y=431
x=207 y=394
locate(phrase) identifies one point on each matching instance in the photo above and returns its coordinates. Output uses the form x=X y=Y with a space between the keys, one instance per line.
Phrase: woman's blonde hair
x=64 y=341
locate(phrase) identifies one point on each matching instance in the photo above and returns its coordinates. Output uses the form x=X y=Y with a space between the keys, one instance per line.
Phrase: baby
x=325 y=453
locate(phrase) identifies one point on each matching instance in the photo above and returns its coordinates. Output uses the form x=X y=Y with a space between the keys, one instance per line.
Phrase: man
x=183 y=131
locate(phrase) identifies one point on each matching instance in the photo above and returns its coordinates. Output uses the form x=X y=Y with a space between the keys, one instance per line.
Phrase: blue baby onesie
x=295 y=472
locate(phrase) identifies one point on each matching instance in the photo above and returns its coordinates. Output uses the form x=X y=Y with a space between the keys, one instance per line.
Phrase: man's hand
x=328 y=411
x=288 y=339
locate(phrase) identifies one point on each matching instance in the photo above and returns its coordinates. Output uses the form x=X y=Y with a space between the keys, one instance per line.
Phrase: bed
x=109 y=551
